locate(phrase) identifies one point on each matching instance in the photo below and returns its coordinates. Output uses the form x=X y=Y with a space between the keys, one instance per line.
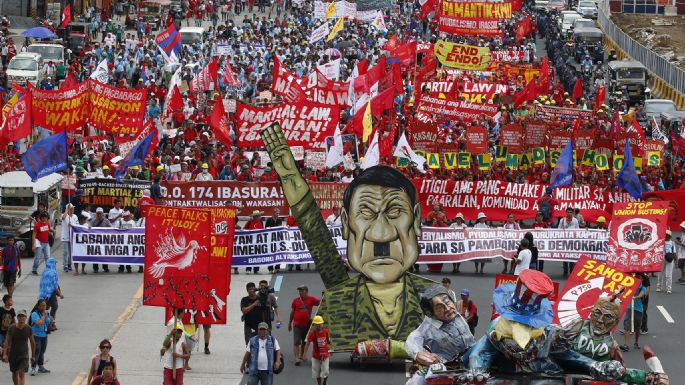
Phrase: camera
x=263 y=295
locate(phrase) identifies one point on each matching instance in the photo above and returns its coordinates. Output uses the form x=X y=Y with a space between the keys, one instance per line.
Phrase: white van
x=25 y=67
x=192 y=35
x=19 y=198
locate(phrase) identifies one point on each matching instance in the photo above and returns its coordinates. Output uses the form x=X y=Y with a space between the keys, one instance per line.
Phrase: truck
x=51 y=52
x=630 y=75
x=19 y=198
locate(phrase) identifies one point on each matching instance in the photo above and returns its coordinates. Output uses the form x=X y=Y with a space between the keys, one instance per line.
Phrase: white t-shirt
x=113 y=213
x=66 y=226
x=262 y=358
x=524 y=261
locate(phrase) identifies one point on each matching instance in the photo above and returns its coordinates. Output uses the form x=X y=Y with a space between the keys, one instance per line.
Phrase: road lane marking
x=125 y=315
x=277 y=284
x=664 y=313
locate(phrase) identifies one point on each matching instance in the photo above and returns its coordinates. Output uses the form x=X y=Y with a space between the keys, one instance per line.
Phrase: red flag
x=577 y=89
x=635 y=127
x=218 y=121
x=392 y=44
x=379 y=103
x=516 y=5
x=70 y=81
x=427 y=6
x=405 y=53
x=526 y=94
x=600 y=96
x=17 y=124
x=202 y=81
x=174 y=103
x=66 y=16
x=229 y=76
x=362 y=67
x=385 y=145
x=616 y=126
x=363 y=83
x=678 y=144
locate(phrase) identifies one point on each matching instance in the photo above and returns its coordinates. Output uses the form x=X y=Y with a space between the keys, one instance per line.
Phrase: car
x=655 y=107
x=583 y=23
x=192 y=35
x=567 y=20
x=587 y=8
x=25 y=67
x=51 y=53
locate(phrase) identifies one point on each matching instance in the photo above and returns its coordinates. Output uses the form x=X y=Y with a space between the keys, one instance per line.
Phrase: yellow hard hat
x=318 y=320
x=601 y=220
x=105 y=168
x=205 y=165
x=135 y=168
x=600 y=111
x=160 y=168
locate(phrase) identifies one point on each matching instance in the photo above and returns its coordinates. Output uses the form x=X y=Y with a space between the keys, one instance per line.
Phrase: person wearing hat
x=255 y=223
x=204 y=175
x=665 y=277
x=106 y=172
x=468 y=310
x=458 y=224
x=523 y=335
x=319 y=339
x=262 y=357
x=300 y=321
x=481 y=223
x=100 y=220
x=16 y=348
x=69 y=219
x=602 y=223
x=174 y=356
x=442 y=336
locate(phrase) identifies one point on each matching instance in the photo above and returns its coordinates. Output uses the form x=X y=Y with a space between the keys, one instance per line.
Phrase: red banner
x=424 y=133
x=552 y=114
x=676 y=205
x=247 y=196
x=653 y=145
x=590 y=280
x=583 y=139
x=177 y=246
x=558 y=139
x=60 y=110
x=497 y=199
x=507 y=56
x=481 y=92
x=108 y=103
x=452 y=109
x=304 y=124
x=465 y=26
x=536 y=133
x=477 y=139
x=510 y=137
x=637 y=236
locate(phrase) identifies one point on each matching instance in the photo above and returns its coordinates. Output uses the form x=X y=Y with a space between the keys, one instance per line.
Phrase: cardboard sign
x=637 y=236
x=590 y=280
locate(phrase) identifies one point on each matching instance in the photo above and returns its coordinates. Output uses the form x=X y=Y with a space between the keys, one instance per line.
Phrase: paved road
x=666 y=339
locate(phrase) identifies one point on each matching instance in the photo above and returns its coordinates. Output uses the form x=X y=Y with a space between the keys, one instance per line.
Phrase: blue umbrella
x=39 y=33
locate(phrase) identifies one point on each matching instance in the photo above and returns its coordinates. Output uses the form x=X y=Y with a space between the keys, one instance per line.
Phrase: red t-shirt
x=254 y=224
x=320 y=347
x=42 y=231
x=302 y=316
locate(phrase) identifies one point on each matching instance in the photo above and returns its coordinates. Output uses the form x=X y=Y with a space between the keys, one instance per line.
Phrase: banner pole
x=173 y=347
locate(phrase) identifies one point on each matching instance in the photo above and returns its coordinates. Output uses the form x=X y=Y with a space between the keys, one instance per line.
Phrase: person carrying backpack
x=546 y=207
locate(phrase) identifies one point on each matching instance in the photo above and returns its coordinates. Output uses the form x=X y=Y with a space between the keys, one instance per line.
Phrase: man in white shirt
x=334 y=219
x=569 y=222
x=204 y=175
x=68 y=219
x=115 y=213
x=522 y=260
x=257 y=368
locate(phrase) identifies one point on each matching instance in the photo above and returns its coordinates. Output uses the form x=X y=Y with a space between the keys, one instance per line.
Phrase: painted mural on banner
x=177 y=243
x=305 y=124
x=108 y=245
x=637 y=236
x=588 y=281
x=220 y=257
x=247 y=196
x=436 y=245
x=101 y=192
x=498 y=198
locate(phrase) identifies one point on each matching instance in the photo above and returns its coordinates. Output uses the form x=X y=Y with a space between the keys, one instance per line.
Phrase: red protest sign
x=177 y=242
x=59 y=110
x=536 y=132
x=221 y=252
x=558 y=139
x=511 y=137
x=304 y=124
x=590 y=280
x=424 y=133
x=583 y=139
x=637 y=236
x=107 y=103
x=477 y=139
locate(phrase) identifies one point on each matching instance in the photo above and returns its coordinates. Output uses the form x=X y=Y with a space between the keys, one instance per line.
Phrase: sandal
x=624 y=348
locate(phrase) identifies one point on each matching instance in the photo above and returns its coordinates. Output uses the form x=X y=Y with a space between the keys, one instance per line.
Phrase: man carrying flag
x=66 y=16
x=627 y=177
x=137 y=155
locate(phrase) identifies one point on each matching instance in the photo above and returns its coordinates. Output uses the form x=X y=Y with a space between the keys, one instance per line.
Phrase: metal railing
x=655 y=63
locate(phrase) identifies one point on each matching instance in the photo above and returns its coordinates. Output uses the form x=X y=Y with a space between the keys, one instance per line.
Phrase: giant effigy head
x=381 y=221
x=604 y=316
x=437 y=303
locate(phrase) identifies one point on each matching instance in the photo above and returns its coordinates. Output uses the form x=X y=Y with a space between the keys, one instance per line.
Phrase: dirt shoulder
x=667 y=40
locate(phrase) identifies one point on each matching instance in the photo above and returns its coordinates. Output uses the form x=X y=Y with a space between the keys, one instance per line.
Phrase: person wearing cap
x=204 y=175
x=468 y=310
x=255 y=223
x=174 y=357
x=441 y=338
x=300 y=320
x=16 y=348
x=665 y=277
x=262 y=357
x=69 y=219
x=569 y=222
x=40 y=240
x=458 y=224
x=106 y=172
x=481 y=223
x=602 y=223
x=319 y=339
x=100 y=220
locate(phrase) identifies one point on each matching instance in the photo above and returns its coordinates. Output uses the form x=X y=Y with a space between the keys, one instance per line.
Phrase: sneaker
x=207 y=350
x=66 y=269
x=34 y=272
x=669 y=292
x=624 y=348
x=658 y=290
x=43 y=370
x=643 y=332
x=33 y=371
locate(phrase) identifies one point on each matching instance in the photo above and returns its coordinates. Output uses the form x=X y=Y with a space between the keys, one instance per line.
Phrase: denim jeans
x=44 y=249
x=41 y=347
x=66 y=253
x=262 y=377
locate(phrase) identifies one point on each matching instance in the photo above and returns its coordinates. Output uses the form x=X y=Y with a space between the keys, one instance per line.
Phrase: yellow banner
x=526 y=161
x=654 y=158
x=464 y=160
x=450 y=159
x=500 y=153
x=539 y=155
x=461 y=56
x=484 y=162
x=339 y=25
x=471 y=10
x=433 y=160
x=602 y=162
x=512 y=162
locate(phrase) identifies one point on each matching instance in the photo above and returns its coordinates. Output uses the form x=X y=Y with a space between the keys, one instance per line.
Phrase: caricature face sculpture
x=604 y=316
